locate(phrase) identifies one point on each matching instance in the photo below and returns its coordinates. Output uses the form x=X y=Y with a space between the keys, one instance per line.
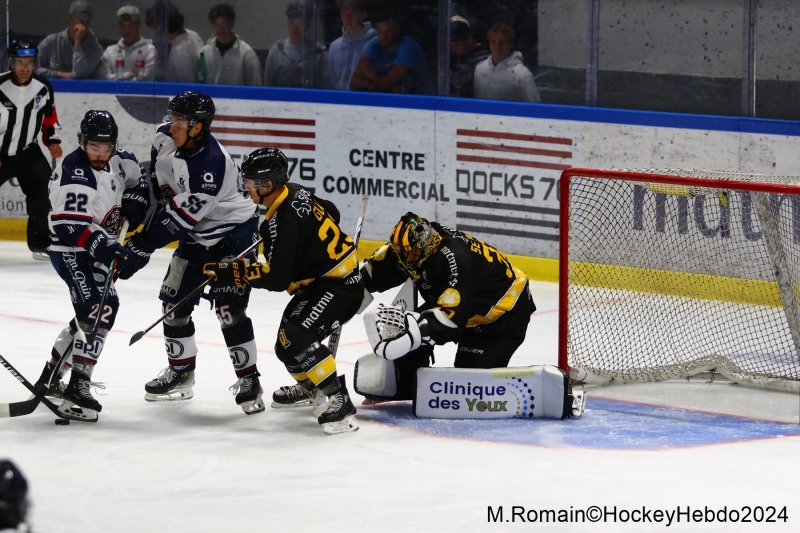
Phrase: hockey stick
x=38 y=398
x=333 y=340
x=138 y=335
x=89 y=340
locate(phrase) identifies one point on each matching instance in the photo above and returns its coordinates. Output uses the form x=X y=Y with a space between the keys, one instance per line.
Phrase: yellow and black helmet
x=414 y=240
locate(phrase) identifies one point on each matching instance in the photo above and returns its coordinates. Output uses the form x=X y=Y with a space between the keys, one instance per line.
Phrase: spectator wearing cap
x=229 y=60
x=284 y=64
x=132 y=47
x=392 y=62
x=184 y=44
x=345 y=52
x=465 y=54
x=74 y=52
x=502 y=76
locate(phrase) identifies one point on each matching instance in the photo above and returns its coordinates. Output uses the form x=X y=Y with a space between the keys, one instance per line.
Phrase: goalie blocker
x=542 y=391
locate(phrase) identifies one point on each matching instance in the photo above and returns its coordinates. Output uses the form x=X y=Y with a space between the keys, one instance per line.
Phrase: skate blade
x=71 y=411
x=304 y=403
x=367 y=401
x=173 y=396
x=345 y=425
x=253 y=407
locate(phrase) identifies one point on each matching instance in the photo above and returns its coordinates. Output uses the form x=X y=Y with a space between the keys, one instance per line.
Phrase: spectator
x=345 y=51
x=502 y=76
x=74 y=52
x=184 y=44
x=133 y=48
x=392 y=63
x=284 y=65
x=465 y=54
x=229 y=60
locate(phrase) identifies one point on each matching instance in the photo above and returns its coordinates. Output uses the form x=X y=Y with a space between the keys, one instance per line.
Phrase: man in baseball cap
x=57 y=50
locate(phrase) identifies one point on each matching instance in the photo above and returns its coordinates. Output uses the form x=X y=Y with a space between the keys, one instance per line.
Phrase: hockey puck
x=62 y=422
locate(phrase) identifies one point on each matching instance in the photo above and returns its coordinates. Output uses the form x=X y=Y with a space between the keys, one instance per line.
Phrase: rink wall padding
x=488 y=168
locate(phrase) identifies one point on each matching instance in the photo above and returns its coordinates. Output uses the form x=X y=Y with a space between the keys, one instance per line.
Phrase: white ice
x=203 y=466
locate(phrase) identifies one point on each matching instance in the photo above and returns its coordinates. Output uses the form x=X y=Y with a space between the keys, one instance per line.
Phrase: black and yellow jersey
x=470 y=281
x=304 y=245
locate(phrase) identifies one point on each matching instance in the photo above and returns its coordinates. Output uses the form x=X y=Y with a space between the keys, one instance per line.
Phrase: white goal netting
x=675 y=272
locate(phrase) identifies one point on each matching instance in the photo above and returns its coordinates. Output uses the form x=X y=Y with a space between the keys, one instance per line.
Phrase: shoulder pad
x=76 y=170
x=124 y=154
x=207 y=169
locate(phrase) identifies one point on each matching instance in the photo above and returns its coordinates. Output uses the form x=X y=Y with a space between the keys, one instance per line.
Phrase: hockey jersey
x=202 y=191
x=84 y=200
x=26 y=110
x=304 y=245
x=470 y=281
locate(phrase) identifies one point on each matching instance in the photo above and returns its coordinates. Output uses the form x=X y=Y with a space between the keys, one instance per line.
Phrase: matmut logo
x=256 y=132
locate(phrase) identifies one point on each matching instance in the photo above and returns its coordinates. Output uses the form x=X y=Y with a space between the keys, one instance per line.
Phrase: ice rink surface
x=203 y=466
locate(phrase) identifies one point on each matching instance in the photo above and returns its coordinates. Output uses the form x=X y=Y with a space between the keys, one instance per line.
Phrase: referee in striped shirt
x=27 y=107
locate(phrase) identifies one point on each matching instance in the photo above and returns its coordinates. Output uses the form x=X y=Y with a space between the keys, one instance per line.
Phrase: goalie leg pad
x=541 y=391
x=381 y=380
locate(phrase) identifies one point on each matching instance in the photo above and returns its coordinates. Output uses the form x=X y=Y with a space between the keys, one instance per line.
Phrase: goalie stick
x=333 y=340
x=89 y=339
x=138 y=335
x=19 y=408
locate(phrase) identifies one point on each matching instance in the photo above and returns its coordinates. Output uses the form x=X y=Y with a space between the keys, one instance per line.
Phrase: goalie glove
x=392 y=332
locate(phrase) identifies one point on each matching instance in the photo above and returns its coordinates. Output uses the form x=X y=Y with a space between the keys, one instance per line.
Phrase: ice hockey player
x=29 y=109
x=310 y=257
x=96 y=187
x=473 y=296
x=203 y=206
x=13 y=496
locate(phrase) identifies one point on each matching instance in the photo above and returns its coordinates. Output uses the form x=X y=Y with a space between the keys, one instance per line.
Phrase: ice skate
x=170 y=385
x=56 y=388
x=79 y=404
x=298 y=395
x=248 y=393
x=339 y=417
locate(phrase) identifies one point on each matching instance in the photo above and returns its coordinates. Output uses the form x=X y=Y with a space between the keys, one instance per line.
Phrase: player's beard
x=99 y=164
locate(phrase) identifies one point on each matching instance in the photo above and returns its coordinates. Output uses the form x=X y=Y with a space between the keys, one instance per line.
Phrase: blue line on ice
x=606 y=424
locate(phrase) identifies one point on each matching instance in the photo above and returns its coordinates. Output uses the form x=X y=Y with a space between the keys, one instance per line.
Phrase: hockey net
x=670 y=273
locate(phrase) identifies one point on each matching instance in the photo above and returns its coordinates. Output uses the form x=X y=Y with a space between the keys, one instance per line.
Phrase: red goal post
x=666 y=273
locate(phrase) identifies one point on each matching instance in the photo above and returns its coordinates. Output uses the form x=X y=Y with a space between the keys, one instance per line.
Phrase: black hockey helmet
x=414 y=240
x=13 y=495
x=194 y=107
x=98 y=126
x=21 y=48
x=266 y=165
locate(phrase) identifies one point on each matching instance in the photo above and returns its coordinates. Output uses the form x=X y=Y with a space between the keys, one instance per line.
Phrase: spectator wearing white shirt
x=503 y=76
x=229 y=60
x=133 y=48
x=184 y=44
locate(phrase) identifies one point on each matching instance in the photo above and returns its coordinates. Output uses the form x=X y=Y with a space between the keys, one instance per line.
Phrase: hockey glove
x=103 y=248
x=392 y=332
x=233 y=273
x=139 y=252
x=134 y=207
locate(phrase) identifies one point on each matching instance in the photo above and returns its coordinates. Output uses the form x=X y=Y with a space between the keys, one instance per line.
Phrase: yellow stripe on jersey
x=341 y=270
x=278 y=201
x=302 y=376
x=322 y=370
x=506 y=302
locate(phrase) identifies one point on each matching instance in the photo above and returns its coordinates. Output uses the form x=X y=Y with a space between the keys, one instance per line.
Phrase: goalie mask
x=414 y=240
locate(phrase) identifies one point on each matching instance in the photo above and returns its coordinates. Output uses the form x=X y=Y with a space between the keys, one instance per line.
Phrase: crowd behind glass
x=390 y=46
